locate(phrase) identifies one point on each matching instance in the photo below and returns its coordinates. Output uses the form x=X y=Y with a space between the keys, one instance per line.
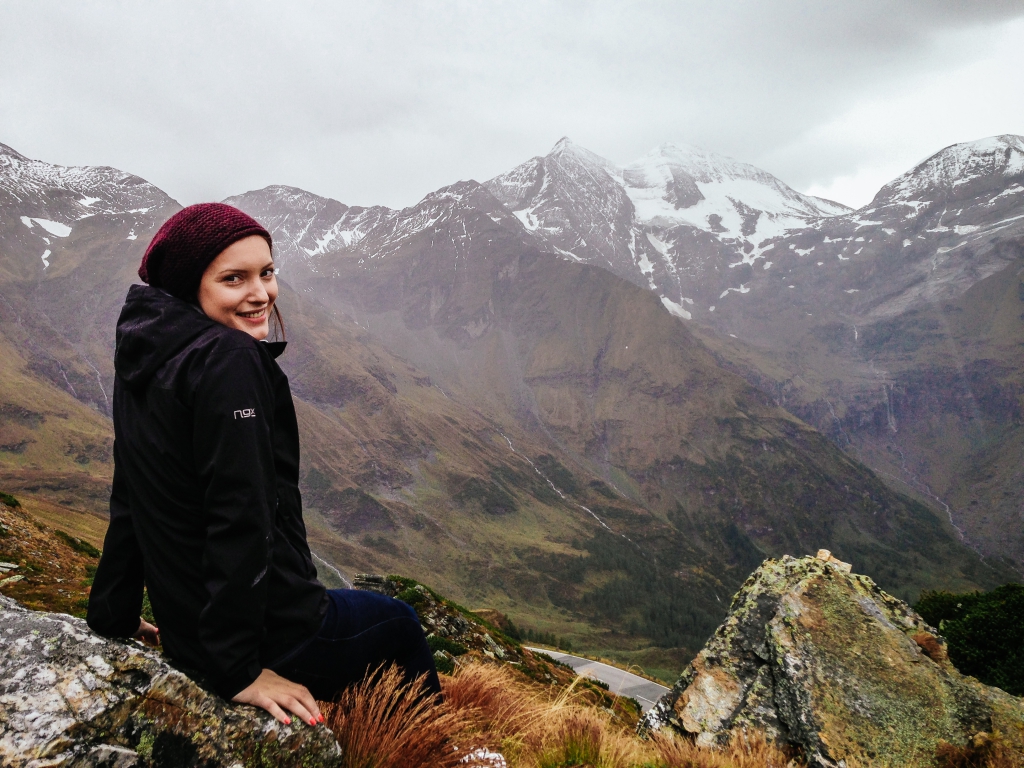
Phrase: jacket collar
x=275 y=348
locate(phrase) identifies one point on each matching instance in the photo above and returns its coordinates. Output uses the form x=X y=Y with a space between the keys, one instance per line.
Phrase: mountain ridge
x=813 y=297
x=513 y=426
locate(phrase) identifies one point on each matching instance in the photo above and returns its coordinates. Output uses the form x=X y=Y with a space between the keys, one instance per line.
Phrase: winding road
x=619 y=681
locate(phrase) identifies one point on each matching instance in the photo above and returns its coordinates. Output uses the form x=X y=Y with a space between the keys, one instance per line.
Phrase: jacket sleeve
x=234 y=459
x=115 y=600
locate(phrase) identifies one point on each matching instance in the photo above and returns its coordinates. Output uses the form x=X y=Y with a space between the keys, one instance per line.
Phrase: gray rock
x=71 y=698
x=820 y=658
x=109 y=756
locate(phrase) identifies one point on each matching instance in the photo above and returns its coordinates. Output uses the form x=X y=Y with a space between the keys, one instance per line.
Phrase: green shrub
x=76 y=543
x=937 y=607
x=599 y=683
x=548 y=638
x=9 y=500
x=411 y=596
x=443 y=664
x=512 y=631
x=984 y=633
x=438 y=643
x=493 y=498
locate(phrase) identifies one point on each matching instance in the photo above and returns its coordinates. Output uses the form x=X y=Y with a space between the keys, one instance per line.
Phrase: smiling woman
x=239 y=288
x=205 y=507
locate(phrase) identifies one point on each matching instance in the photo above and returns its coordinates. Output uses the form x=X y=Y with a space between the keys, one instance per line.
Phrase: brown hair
x=276 y=325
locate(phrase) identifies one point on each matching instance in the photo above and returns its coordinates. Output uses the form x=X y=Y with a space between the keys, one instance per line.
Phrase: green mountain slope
x=529 y=434
x=933 y=399
x=696 y=474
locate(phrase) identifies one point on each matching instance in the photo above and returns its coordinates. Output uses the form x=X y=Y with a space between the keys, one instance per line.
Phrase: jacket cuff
x=227 y=687
x=104 y=623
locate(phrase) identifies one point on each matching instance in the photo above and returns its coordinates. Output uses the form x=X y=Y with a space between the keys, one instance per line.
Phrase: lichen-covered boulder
x=71 y=698
x=821 y=658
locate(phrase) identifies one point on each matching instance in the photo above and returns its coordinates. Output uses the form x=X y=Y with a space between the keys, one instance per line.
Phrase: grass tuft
x=380 y=723
x=383 y=723
x=751 y=751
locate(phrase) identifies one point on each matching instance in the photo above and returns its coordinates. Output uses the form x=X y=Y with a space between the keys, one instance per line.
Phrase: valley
x=517 y=392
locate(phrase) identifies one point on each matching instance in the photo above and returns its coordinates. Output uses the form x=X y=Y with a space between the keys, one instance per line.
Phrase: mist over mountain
x=672 y=221
x=877 y=326
x=519 y=391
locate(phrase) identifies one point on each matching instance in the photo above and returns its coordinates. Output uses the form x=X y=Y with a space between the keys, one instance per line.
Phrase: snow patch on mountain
x=55 y=228
x=742 y=289
x=677 y=309
x=677 y=184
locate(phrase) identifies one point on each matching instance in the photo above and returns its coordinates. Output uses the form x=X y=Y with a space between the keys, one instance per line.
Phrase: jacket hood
x=153 y=327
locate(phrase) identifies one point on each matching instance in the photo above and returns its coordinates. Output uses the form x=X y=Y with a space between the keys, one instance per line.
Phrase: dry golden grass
x=742 y=753
x=983 y=751
x=383 y=725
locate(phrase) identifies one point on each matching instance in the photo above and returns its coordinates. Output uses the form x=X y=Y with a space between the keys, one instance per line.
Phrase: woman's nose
x=258 y=292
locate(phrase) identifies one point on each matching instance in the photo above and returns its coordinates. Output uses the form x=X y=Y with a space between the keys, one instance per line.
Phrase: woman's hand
x=270 y=691
x=147 y=633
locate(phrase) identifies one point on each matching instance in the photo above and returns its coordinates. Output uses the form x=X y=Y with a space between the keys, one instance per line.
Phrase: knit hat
x=185 y=245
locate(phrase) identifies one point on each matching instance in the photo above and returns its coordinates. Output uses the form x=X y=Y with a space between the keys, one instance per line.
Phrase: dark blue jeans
x=362 y=631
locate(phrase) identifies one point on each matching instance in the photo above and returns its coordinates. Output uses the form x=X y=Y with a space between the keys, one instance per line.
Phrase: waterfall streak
x=557 y=490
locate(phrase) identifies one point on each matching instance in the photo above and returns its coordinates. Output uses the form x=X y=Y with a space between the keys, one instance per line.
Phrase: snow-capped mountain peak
x=10 y=152
x=661 y=221
x=565 y=150
x=573 y=200
x=704 y=231
x=306 y=225
x=993 y=161
x=83 y=191
x=564 y=144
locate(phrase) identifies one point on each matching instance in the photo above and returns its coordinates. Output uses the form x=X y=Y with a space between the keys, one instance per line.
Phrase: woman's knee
x=408 y=611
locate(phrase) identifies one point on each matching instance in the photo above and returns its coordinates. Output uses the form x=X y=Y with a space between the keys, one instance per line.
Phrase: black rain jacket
x=205 y=508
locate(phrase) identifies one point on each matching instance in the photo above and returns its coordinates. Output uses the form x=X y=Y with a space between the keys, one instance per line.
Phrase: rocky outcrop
x=821 y=658
x=71 y=698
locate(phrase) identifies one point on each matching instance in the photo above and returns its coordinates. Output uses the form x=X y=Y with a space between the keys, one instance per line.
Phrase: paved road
x=619 y=681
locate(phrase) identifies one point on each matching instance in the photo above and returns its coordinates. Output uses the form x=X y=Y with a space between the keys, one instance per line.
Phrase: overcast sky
x=383 y=102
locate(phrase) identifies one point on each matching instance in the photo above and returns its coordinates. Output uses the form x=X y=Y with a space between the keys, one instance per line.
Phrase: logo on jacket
x=245 y=413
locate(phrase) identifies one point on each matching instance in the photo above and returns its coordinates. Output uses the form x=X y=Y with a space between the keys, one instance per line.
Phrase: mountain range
x=893 y=329
x=580 y=393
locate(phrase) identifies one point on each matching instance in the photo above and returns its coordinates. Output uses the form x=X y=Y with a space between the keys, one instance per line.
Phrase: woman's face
x=239 y=289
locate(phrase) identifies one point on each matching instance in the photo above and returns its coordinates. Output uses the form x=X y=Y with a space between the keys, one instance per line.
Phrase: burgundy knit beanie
x=188 y=241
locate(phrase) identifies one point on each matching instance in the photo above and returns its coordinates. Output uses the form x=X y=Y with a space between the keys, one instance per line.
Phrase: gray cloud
x=382 y=102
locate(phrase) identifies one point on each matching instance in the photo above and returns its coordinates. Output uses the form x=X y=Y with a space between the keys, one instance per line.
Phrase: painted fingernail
x=287 y=721
x=312 y=721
